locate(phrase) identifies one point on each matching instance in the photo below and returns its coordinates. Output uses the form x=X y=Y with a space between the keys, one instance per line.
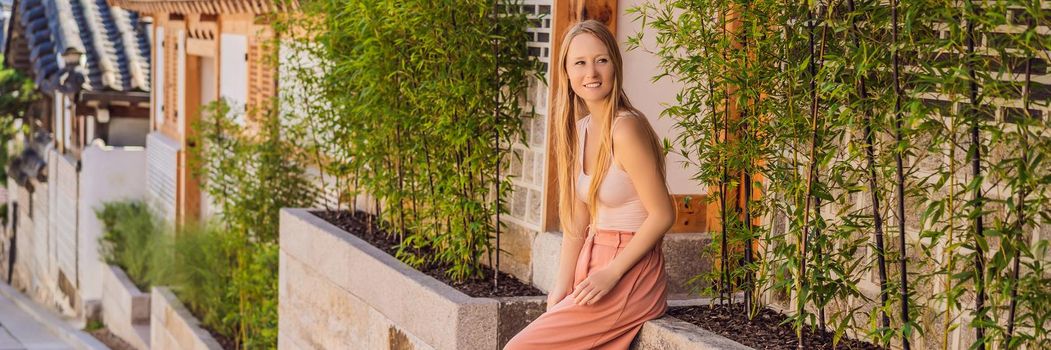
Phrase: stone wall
x=125 y=309
x=367 y=298
x=172 y=327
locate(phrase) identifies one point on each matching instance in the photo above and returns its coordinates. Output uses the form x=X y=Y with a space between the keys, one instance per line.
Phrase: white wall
x=207 y=74
x=639 y=69
x=107 y=174
x=233 y=71
x=63 y=224
x=208 y=94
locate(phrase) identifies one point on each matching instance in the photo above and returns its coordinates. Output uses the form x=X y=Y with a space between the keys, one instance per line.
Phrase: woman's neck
x=596 y=107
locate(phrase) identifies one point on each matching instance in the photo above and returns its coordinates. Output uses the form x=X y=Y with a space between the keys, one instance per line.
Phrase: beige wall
x=639 y=69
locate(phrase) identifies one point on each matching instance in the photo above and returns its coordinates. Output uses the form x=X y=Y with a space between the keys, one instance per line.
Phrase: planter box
x=125 y=309
x=338 y=291
x=173 y=327
x=669 y=333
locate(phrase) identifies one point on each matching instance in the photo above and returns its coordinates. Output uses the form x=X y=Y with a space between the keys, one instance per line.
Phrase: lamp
x=71 y=58
x=70 y=79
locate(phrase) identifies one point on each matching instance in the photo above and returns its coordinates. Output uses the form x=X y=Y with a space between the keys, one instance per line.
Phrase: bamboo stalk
x=724 y=273
x=812 y=167
x=819 y=255
x=496 y=145
x=899 y=168
x=877 y=216
x=1023 y=190
x=947 y=254
x=976 y=168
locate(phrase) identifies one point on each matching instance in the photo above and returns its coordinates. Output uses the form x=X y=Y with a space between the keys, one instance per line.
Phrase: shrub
x=132 y=239
x=230 y=284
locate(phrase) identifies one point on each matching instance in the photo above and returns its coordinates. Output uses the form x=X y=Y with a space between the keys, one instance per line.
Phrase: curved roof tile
x=113 y=42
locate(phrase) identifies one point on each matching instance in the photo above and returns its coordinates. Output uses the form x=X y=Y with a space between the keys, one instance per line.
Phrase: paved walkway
x=20 y=331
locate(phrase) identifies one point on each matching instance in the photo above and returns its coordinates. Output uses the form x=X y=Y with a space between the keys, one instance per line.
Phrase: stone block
x=516 y=245
x=527 y=166
x=518 y=205
x=683 y=259
x=173 y=327
x=516 y=313
x=536 y=206
x=546 y=249
x=125 y=309
x=315 y=313
x=670 y=333
x=539 y=167
x=539 y=131
x=387 y=293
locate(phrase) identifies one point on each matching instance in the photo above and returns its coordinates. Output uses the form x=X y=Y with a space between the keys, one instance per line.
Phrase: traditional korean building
x=84 y=144
x=202 y=51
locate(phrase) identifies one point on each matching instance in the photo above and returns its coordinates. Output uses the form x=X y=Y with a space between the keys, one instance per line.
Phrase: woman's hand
x=596 y=286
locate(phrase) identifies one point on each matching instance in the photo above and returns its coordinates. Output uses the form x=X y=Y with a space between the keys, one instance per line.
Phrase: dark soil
x=765 y=331
x=357 y=224
x=111 y=340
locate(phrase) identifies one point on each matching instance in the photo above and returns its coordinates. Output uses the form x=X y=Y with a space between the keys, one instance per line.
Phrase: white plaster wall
x=107 y=174
x=207 y=74
x=63 y=223
x=649 y=97
x=208 y=94
x=233 y=71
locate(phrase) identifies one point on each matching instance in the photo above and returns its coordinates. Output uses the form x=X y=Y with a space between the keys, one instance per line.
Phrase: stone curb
x=125 y=308
x=674 y=334
x=162 y=298
x=397 y=291
x=65 y=331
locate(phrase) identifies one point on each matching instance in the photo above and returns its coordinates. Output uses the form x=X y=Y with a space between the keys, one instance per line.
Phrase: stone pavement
x=19 y=330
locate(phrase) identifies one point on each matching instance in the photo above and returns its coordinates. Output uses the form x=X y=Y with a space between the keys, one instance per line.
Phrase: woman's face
x=590 y=68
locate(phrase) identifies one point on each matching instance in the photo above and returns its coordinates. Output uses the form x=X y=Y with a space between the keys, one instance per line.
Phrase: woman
x=611 y=271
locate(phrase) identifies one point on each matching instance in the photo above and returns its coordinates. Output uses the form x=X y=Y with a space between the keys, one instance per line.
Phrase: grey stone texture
x=669 y=333
x=172 y=327
x=125 y=309
x=330 y=277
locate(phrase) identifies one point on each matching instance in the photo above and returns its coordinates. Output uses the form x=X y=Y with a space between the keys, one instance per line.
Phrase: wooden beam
x=566 y=13
x=190 y=206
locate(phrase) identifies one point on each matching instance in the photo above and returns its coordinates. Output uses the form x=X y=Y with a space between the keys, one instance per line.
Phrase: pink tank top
x=619 y=206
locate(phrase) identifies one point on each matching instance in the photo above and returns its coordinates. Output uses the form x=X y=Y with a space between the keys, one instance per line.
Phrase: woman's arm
x=634 y=153
x=567 y=262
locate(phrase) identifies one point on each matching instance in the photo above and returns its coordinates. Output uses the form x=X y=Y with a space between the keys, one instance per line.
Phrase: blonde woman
x=613 y=205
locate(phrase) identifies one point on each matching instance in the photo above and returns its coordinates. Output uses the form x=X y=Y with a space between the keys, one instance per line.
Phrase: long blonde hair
x=569 y=107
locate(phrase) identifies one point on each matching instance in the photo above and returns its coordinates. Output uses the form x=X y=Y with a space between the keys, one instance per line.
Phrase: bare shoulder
x=630 y=133
x=632 y=147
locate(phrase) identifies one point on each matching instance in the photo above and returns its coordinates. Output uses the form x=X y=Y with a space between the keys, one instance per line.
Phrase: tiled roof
x=113 y=42
x=207 y=6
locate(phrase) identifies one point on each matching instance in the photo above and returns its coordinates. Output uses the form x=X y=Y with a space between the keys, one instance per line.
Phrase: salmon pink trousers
x=613 y=321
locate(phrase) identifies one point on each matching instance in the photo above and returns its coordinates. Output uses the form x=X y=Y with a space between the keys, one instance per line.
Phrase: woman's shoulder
x=630 y=136
x=628 y=124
